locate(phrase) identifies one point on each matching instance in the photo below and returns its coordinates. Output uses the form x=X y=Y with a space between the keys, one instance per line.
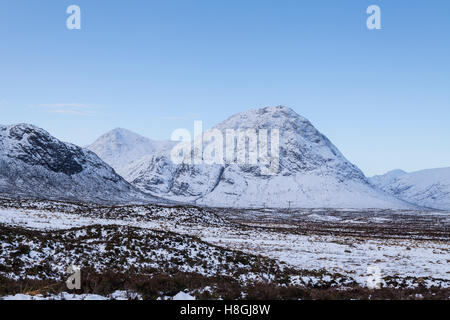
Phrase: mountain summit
x=311 y=171
x=302 y=147
x=380 y=181
x=120 y=147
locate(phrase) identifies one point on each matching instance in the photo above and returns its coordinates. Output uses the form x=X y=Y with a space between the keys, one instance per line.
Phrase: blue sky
x=382 y=96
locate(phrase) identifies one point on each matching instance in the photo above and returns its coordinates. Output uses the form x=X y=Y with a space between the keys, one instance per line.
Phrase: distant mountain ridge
x=382 y=180
x=427 y=188
x=36 y=165
x=312 y=173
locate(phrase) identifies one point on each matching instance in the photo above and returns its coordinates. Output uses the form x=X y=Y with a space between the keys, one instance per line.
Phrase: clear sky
x=381 y=96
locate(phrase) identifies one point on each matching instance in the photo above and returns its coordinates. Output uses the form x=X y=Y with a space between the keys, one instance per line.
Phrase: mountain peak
x=280 y=117
x=24 y=126
x=121 y=133
x=277 y=111
x=120 y=147
x=302 y=147
x=380 y=181
x=21 y=130
x=396 y=172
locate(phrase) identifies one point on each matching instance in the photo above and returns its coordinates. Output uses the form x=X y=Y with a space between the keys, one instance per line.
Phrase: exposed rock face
x=42 y=150
x=35 y=164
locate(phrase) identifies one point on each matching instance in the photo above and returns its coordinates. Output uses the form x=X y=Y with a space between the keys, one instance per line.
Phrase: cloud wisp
x=76 y=109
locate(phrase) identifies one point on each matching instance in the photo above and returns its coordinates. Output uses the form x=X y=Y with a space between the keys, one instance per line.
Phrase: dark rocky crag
x=34 y=164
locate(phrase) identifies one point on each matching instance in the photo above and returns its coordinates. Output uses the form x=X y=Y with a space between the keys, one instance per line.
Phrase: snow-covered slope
x=35 y=164
x=428 y=188
x=120 y=147
x=385 y=179
x=312 y=172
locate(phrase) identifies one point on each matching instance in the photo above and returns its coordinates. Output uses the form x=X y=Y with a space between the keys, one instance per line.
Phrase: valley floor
x=156 y=252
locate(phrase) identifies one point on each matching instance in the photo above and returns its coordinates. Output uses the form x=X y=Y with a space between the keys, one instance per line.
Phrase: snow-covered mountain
x=311 y=172
x=120 y=147
x=428 y=188
x=34 y=164
x=380 y=181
